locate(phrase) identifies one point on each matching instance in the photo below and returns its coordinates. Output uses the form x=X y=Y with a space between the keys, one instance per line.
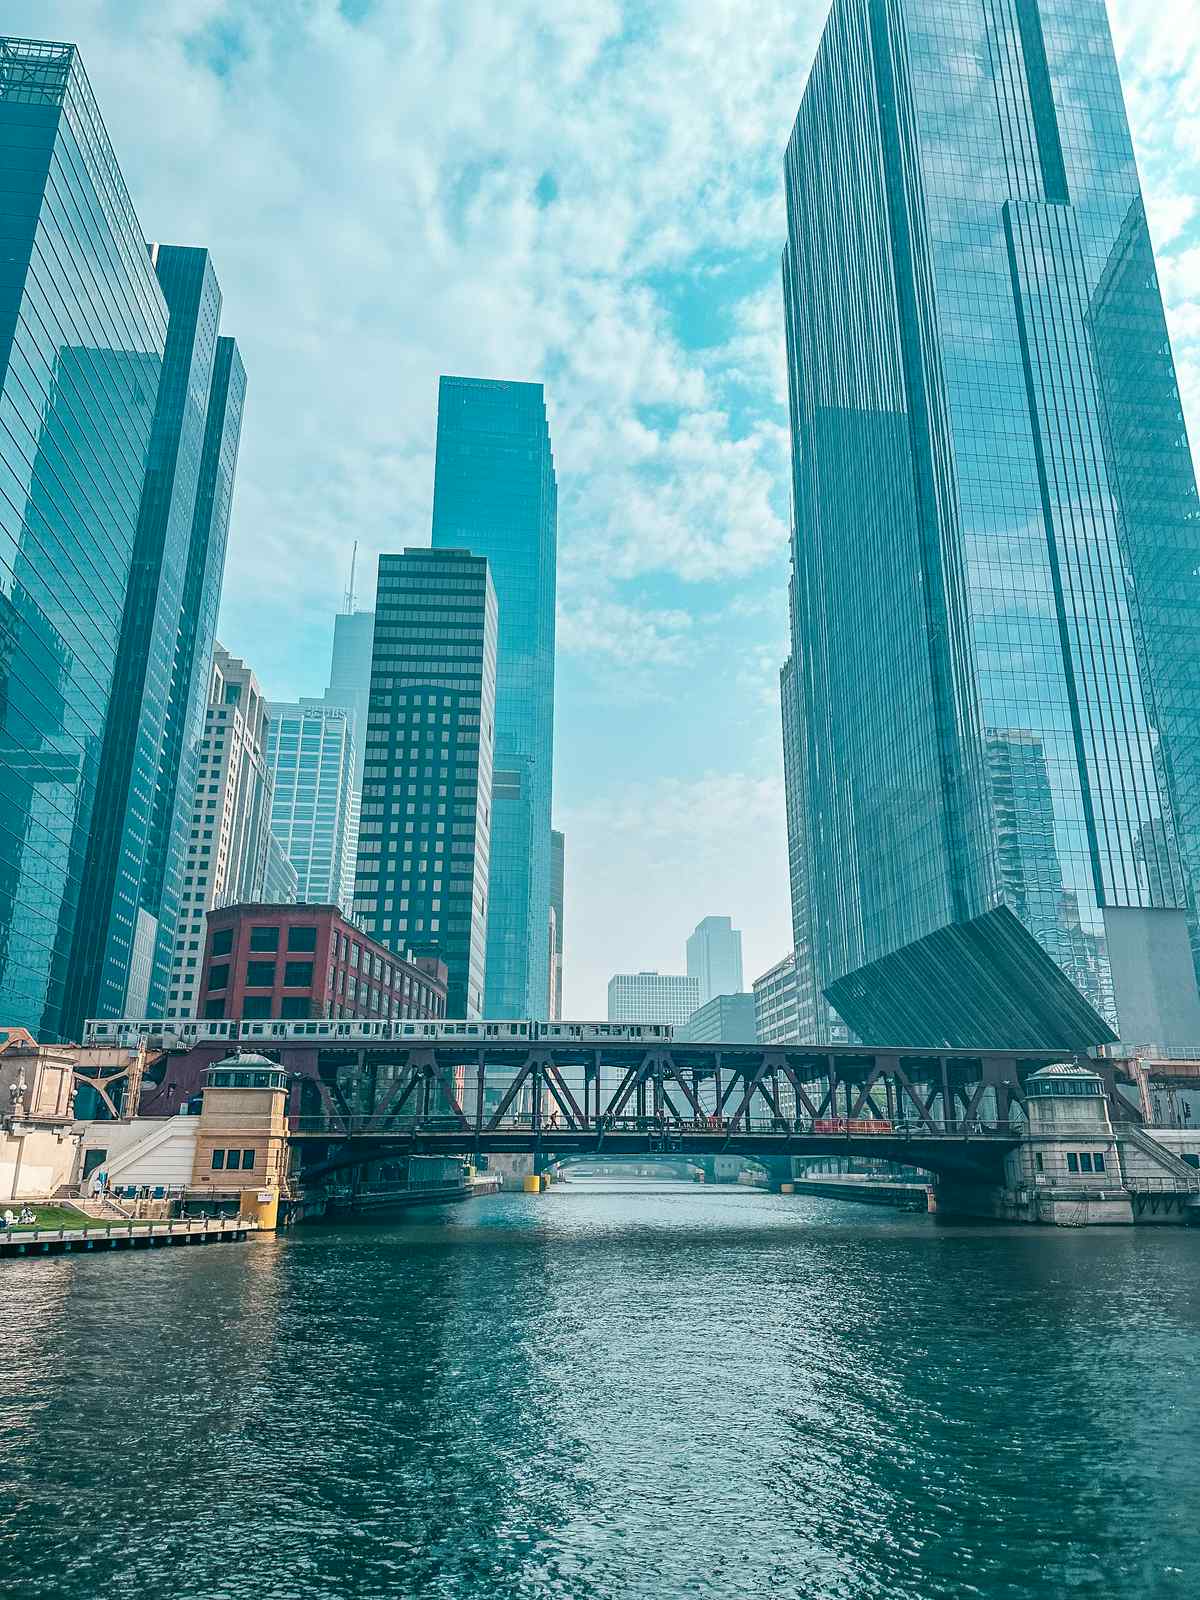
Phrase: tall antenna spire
x=350 y=586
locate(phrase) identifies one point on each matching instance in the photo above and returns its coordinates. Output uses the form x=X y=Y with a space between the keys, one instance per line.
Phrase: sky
x=590 y=195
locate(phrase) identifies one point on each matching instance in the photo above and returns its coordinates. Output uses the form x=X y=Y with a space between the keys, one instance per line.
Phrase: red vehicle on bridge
x=851 y=1125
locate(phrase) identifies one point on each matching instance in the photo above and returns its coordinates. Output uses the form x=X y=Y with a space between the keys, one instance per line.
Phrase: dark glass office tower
x=427 y=816
x=134 y=866
x=83 y=327
x=495 y=494
x=996 y=636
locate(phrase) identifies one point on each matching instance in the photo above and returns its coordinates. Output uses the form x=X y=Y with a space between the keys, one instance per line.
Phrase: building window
x=295 y=1006
x=256 y=1006
x=304 y=938
x=264 y=938
x=233 y=1160
x=298 y=975
x=1072 y=1161
x=218 y=977
x=1098 y=1162
x=214 y=1008
x=1085 y=1161
x=218 y=1160
x=222 y=942
x=1041 y=1165
x=260 y=974
x=247 y=1160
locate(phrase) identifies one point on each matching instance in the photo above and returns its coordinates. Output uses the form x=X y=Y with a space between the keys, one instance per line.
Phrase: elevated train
x=184 y=1032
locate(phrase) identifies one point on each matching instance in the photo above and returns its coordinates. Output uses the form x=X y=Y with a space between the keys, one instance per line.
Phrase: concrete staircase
x=1144 y=1158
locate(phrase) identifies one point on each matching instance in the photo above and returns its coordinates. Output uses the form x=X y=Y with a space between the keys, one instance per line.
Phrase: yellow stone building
x=241 y=1143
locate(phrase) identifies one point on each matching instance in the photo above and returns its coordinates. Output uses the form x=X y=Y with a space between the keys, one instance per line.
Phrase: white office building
x=652 y=997
x=310 y=747
x=227 y=851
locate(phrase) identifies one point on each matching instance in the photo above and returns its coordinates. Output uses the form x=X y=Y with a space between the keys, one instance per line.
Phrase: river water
x=608 y=1392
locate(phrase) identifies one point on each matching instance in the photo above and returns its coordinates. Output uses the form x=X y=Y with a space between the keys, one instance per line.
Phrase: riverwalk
x=131 y=1236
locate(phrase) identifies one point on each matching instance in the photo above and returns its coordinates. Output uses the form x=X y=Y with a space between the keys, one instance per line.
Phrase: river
x=614 y=1391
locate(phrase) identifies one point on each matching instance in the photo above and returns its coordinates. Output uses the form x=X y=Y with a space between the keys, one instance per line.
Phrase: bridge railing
x=549 y=1124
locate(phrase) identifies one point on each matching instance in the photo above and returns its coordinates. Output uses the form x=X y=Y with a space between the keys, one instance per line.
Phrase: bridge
x=953 y=1113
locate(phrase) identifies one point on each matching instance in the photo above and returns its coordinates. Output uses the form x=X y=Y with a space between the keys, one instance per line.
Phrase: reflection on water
x=609 y=1392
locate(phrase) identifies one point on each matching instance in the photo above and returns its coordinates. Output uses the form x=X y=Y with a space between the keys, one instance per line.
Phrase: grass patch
x=64 y=1217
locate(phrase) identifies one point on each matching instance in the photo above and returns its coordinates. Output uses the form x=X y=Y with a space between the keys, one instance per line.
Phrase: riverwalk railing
x=18 y=1241
x=546 y=1125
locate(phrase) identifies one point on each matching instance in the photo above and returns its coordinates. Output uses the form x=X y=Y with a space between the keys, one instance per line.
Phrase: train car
x=602 y=1032
x=129 y=1032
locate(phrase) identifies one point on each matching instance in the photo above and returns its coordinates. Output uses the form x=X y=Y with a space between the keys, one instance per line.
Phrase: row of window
x=233 y=1160
x=302 y=937
x=261 y=975
x=1079 y=1161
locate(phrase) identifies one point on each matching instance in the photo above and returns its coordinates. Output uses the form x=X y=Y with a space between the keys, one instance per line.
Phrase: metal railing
x=849 y=1128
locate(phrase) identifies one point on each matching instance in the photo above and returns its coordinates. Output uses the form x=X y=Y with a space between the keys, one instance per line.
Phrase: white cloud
x=633 y=637
x=370 y=194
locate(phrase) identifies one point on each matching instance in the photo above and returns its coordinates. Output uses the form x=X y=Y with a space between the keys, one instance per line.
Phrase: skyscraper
x=777 y=1004
x=427 y=785
x=350 y=674
x=226 y=860
x=102 y=475
x=281 y=885
x=310 y=750
x=714 y=958
x=816 y=1020
x=997 y=538
x=134 y=861
x=350 y=686
x=558 y=875
x=495 y=494
x=652 y=997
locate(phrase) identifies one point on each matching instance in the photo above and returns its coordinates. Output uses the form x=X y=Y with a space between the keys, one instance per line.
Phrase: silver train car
x=183 y=1032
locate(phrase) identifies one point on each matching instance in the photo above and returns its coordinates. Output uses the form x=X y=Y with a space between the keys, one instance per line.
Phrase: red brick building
x=308 y=961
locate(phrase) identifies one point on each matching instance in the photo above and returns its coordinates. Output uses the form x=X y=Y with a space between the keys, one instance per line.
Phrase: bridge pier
x=513 y=1170
x=779 y=1171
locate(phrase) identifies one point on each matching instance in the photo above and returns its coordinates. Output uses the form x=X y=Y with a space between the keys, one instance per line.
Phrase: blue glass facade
x=495 y=494
x=310 y=751
x=997 y=609
x=134 y=867
x=83 y=328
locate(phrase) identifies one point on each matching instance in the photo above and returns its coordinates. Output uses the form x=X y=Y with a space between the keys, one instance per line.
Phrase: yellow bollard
x=532 y=1183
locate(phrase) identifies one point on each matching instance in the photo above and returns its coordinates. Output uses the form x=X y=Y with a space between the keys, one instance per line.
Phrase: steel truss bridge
x=954 y=1113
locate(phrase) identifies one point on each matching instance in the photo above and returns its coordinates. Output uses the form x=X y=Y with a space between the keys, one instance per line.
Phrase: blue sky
x=587 y=194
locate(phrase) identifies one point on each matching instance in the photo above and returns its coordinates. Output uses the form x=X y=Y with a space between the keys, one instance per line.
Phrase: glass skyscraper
x=714 y=956
x=495 y=495
x=133 y=870
x=89 y=332
x=427 y=813
x=996 y=630
x=558 y=882
x=310 y=750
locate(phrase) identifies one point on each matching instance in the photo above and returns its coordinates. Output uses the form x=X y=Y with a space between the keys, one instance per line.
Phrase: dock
x=134 y=1236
